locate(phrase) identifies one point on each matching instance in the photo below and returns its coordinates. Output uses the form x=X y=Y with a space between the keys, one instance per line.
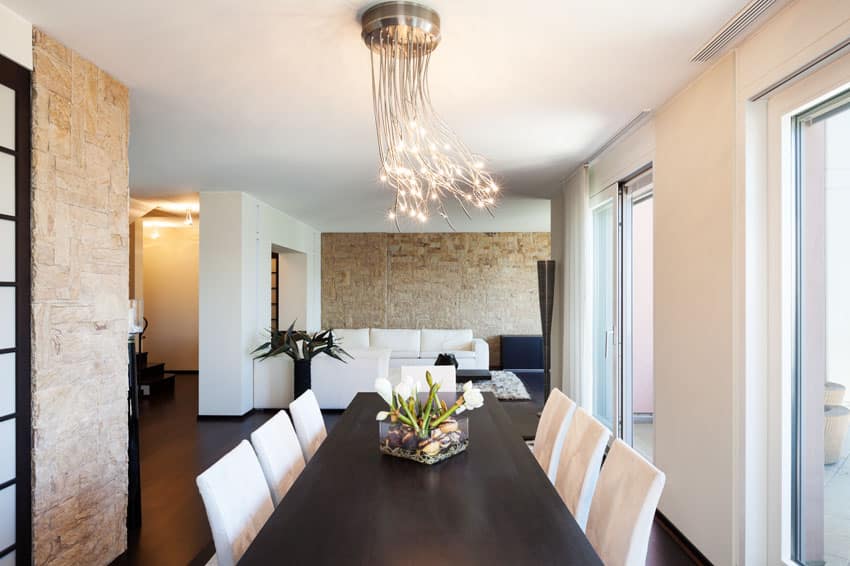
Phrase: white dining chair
x=309 y=425
x=578 y=467
x=446 y=376
x=237 y=500
x=623 y=507
x=279 y=453
x=551 y=430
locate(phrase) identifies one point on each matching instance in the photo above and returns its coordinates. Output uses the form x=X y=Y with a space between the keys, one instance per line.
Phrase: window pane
x=603 y=314
x=822 y=503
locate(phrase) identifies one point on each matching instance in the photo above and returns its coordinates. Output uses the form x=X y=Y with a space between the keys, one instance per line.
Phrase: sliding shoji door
x=15 y=443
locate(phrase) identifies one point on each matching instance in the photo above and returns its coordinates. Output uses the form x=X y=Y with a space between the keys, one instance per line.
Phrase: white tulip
x=385 y=390
x=405 y=389
x=467 y=386
x=472 y=398
x=382 y=415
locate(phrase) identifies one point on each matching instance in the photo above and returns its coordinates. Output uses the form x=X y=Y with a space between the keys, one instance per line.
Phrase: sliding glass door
x=605 y=228
x=821 y=404
x=621 y=297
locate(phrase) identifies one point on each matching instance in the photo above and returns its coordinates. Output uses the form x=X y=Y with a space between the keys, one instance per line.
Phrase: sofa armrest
x=482 y=353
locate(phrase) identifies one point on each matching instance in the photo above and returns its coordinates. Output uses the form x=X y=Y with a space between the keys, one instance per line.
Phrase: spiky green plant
x=300 y=345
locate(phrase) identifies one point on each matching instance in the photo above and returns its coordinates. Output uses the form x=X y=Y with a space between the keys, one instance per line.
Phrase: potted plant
x=302 y=347
x=426 y=432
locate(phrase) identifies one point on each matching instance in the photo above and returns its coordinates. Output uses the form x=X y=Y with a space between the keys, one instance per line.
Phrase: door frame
x=18 y=79
x=781 y=282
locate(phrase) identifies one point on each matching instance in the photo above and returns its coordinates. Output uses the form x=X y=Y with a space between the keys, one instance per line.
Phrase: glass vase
x=448 y=439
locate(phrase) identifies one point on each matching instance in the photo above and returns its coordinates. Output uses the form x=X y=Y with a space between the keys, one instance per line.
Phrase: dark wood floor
x=176 y=446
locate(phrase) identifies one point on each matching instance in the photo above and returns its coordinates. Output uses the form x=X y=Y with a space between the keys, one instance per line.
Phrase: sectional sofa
x=374 y=351
x=418 y=347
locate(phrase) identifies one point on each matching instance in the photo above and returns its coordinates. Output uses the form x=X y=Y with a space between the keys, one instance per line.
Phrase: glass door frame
x=621 y=196
x=629 y=197
x=613 y=345
x=799 y=399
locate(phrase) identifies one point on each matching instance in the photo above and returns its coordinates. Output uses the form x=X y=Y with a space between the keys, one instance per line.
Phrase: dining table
x=491 y=504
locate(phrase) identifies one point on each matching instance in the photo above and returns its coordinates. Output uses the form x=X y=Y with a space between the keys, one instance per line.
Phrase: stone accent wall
x=80 y=222
x=483 y=281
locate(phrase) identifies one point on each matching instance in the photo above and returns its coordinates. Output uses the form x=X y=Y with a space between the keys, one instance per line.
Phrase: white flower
x=385 y=390
x=472 y=398
x=382 y=415
x=467 y=386
x=405 y=388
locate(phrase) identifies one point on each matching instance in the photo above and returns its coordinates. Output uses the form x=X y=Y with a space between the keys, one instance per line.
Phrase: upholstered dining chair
x=551 y=430
x=623 y=507
x=279 y=453
x=309 y=425
x=578 y=467
x=236 y=498
x=446 y=376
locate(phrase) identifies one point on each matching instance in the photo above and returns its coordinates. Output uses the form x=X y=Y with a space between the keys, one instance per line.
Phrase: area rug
x=505 y=385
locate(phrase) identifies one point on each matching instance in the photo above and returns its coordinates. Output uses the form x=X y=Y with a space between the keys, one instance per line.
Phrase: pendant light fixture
x=421 y=159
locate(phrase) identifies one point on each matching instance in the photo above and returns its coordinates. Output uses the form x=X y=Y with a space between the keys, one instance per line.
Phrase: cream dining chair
x=309 y=425
x=279 y=453
x=581 y=458
x=623 y=507
x=236 y=498
x=551 y=430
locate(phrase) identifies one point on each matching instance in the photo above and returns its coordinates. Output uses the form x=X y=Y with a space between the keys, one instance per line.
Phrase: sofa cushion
x=354 y=339
x=401 y=342
x=445 y=340
x=459 y=354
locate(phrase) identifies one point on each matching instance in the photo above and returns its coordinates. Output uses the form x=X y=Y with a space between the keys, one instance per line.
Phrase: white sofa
x=374 y=352
x=418 y=347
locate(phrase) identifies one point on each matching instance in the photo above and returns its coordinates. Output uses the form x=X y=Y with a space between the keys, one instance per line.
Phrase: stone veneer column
x=80 y=202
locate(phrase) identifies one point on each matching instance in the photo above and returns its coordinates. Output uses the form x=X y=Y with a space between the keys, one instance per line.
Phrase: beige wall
x=80 y=203
x=486 y=282
x=694 y=213
x=171 y=296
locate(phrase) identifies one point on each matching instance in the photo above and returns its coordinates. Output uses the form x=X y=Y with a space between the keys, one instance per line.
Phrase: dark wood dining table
x=491 y=504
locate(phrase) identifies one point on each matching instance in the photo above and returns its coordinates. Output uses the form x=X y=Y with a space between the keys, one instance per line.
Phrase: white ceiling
x=273 y=97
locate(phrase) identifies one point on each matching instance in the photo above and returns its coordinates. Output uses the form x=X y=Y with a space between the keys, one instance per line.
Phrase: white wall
x=170 y=269
x=694 y=180
x=234 y=292
x=15 y=37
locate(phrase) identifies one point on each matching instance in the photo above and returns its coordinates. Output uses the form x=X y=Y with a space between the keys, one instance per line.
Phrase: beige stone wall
x=487 y=282
x=80 y=202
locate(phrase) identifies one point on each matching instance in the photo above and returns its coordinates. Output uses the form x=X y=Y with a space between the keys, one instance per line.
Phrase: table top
x=492 y=504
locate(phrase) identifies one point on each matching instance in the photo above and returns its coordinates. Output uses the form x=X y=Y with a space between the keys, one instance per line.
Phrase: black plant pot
x=303 y=380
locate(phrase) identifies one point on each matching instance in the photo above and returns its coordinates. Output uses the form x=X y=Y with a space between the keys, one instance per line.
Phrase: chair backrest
x=581 y=458
x=445 y=375
x=279 y=453
x=309 y=425
x=551 y=430
x=623 y=507
x=237 y=501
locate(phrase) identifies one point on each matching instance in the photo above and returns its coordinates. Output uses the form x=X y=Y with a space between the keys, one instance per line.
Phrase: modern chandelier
x=422 y=159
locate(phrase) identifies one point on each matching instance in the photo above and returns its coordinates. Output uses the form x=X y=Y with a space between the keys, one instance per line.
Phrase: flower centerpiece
x=428 y=432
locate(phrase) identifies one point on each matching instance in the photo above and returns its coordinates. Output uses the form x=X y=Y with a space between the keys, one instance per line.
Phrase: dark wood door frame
x=18 y=79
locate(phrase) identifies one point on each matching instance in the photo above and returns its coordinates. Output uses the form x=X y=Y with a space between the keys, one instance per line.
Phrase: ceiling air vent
x=732 y=30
